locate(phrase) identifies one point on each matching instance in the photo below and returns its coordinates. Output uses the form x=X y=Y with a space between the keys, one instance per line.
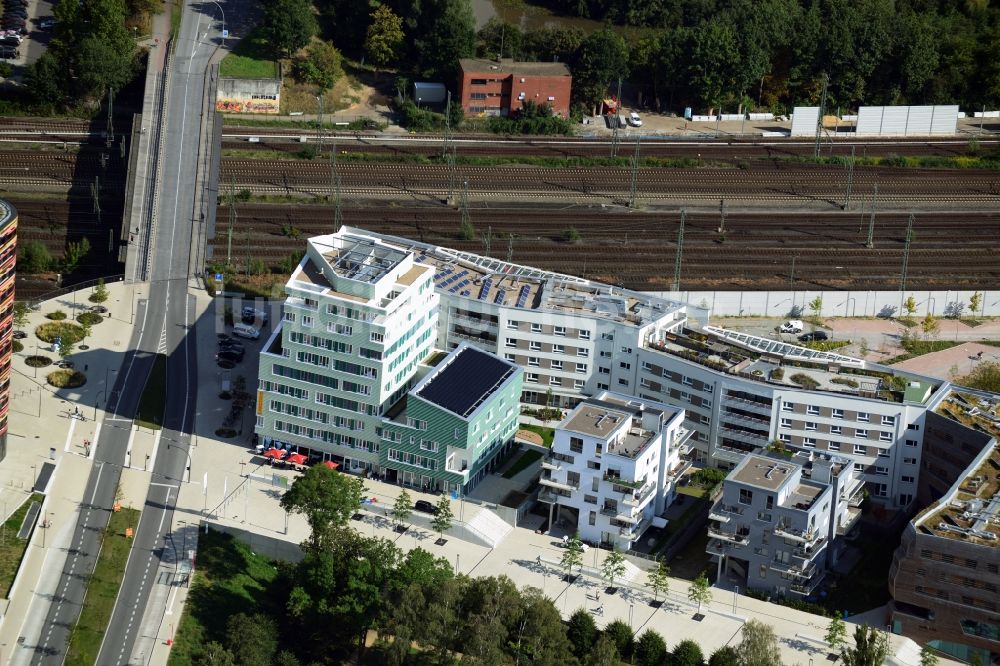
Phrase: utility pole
x=871 y=222
x=680 y=253
x=110 y=138
x=722 y=217
x=614 y=130
x=635 y=174
x=850 y=179
x=463 y=205
x=906 y=255
x=450 y=158
x=487 y=240
x=319 y=126
x=791 y=277
x=447 y=126
x=510 y=247
x=819 y=119
x=232 y=222
x=246 y=243
x=338 y=215
x=95 y=193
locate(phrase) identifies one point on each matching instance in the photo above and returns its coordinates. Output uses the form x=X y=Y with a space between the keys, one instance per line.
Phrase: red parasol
x=330 y=464
x=297 y=458
x=276 y=454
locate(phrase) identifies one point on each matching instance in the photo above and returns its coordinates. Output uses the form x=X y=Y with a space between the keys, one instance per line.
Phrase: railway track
x=782 y=182
x=950 y=250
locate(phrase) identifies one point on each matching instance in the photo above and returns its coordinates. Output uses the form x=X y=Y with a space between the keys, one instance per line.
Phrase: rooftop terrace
x=971 y=512
x=763 y=472
x=483 y=279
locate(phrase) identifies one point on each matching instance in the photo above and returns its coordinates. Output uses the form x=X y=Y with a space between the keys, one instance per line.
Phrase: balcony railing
x=552 y=483
x=791 y=568
x=730 y=509
x=717 y=547
x=850 y=522
x=729 y=454
x=807 y=587
x=633 y=532
x=718 y=516
x=637 y=498
x=738 y=538
x=552 y=465
x=788 y=532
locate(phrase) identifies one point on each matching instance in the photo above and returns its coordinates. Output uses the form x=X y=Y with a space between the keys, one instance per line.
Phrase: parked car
x=426 y=507
x=232 y=346
x=229 y=355
x=46 y=23
x=792 y=326
x=20 y=335
x=634 y=120
x=815 y=336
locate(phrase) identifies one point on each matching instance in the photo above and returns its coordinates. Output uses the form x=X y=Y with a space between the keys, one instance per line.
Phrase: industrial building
x=614 y=466
x=501 y=87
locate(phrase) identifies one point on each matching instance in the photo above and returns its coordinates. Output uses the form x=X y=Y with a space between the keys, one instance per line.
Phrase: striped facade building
x=8 y=263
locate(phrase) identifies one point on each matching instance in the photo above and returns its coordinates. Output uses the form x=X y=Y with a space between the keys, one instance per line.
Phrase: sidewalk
x=44 y=428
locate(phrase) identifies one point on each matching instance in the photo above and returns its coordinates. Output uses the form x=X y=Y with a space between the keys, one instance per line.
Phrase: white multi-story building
x=576 y=337
x=613 y=467
x=359 y=318
x=782 y=522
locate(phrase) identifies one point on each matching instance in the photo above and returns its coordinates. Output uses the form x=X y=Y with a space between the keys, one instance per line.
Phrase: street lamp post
x=223 y=20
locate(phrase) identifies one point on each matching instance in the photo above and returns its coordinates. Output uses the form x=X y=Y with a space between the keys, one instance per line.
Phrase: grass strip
x=102 y=590
x=527 y=459
x=547 y=434
x=176 y=10
x=230 y=578
x=154 y=395
x=11 y=548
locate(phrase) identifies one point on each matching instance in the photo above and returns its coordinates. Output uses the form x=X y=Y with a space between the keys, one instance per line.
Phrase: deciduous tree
x=871 y=647
x=443 y=518
x=384 y=36
x=252 y=639
x=621 y=635
x=327 y=498
x=601 y=59
x=650 y=649
x=658 y=579
x=613 y=566
x=288 y=25
x=402 y=508
x=687 y=653
x=725 y=656
x=700 y=592
x=581 y=632
x=836 y=633
x=759 y=645
x=573 y=555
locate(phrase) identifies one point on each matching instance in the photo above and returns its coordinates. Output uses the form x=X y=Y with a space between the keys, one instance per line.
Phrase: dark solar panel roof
x=466 y=381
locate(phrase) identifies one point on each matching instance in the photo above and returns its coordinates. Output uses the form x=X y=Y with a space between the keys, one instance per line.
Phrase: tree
x=613 y=566
x=975 y=302
x=725 y=656
x=252 y=639
x=100 y=292
x=500 y=39
x=871 y=647
x=539 y=635
x=573 y=555
x=929 y=325
x=321 y=65
x=985 y=376
x=327 y=498
x=650 y=649
x=446 y=32
x=402 y=507
x=604 y=653
x=75 y=252
x=910 y=306
x=46 y=79
x=602 y=58
x=215 y=654
x=20 y=314
x=863 y=348
x=100 y=65
x=384 y=37
x=927 y=657
x=65 y=347
x=35 y=258
x=621 y=635
x=816 y=305
x=687 y=653
x=759 y=646
x=658 y=579
x=581 y=632
x=86 y=328
x=444 y=516
x=836 y=633
x=713 y=54
x=699 y=591
x=288 y=25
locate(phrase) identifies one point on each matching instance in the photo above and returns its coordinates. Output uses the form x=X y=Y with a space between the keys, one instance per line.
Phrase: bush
x=571 y=234
x=709 y=477
x=66 y=378
x=38 y=361
x=532 y=119
x=687 y=653
x=805 y=381
x=17 y=346
x=6 y=69
x=89 y=318
x=64 y=330
x=58 y=315
x=417 y=119
x=35 y=258
x=100 y=292
x=844 y=381
x=778 y=374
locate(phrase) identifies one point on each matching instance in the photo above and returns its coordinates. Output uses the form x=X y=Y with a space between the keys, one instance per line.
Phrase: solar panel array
x=522 y=298
x=485 y=291
x=466 y=381
x=500 y=295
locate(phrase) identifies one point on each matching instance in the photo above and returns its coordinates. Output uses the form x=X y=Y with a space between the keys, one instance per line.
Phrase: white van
x=792 y=326
x=246 y=331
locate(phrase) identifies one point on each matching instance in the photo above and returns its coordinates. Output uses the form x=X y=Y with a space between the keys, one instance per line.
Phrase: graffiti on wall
x=246 y=105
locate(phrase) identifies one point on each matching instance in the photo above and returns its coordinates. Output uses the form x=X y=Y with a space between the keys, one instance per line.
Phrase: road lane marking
x=156 y=445
x=69 y=435
x=128 y=447
x=97 y=484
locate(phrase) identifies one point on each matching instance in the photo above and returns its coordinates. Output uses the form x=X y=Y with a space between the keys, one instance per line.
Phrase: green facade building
x=449 y=431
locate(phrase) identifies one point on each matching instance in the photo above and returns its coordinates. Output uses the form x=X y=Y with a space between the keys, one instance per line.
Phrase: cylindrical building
x=8 y=261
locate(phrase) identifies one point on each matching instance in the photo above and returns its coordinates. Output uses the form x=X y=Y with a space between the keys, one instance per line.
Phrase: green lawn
x=150 y=413
x=102 y=590
x=545 y=433
x=11 y=548
x=229 y=579
x=251 y=59
x=527 y=458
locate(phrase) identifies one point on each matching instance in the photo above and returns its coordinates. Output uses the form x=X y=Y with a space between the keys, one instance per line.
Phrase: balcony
x=679 y=471
x=755 y=437
x=806 y=571
x=550 y=497
x=633 y=532
x=718 y=516
x=638 y=498
x=552 y=465
x=744 y=403
x=807 y=587
x=849 y=522
x=683 y=441
x=807 y=552
x=558 y=485
x=717 y=547
x=729 y=454
x=857 y=495
x=738 y=538
x=788 y=532
x=476 y=321
x=617 y=480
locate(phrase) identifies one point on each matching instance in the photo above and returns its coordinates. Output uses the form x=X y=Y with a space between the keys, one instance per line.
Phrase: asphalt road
x=164 y=321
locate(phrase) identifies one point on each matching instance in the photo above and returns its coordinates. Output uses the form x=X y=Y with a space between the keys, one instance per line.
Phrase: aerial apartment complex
x=782 y=521
x=8 y=261
x=575 y=338
x=614 y=465
x=945 y=575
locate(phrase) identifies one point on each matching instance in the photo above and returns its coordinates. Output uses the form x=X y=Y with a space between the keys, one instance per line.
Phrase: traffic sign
x=218 y=277
x=225 y=34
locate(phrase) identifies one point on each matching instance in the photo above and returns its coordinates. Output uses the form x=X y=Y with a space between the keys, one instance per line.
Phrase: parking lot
x=26 y=30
